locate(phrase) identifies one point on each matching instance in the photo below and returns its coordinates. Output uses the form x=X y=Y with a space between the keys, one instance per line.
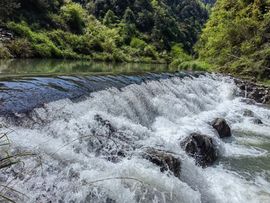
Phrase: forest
x=225 y=36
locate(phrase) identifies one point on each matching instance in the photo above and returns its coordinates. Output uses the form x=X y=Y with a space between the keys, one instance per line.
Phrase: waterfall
x=89 y=149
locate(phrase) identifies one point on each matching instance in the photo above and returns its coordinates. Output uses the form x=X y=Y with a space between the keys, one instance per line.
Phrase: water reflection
x=54 y=66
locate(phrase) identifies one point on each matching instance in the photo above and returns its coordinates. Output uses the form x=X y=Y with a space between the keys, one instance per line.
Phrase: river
x=52 y=113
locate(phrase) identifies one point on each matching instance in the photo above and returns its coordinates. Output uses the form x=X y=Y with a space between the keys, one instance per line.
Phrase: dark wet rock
x=248 y=101
x=73 y=174
x=257 y=121
x=201 y=148
x=165 y=160
x=222 y=127
x=251 y=90
x=93 y=197
x=109 y=142
x=248 y=113
x=105 y=123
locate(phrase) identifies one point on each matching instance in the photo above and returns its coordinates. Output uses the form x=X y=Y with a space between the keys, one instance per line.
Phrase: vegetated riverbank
x=131 y=31
x=235 y=39
x=13 y=46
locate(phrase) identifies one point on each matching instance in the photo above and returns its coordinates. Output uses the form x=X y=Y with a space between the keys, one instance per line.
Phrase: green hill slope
x=113 y=30
x=237 y=38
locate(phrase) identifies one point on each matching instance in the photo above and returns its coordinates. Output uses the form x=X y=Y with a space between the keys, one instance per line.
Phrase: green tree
x=128 y=26
x=7 y=8
x=235 y=37
x=129 y=16
x=74 y=15
x=110 y=19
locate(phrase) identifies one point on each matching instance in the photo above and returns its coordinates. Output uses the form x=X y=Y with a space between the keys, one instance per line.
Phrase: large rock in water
x=164 y=160
x=201 y=148
x=222 y=127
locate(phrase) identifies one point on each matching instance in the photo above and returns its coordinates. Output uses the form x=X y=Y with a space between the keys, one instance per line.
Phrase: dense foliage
x=237 y=38
x=114 y=30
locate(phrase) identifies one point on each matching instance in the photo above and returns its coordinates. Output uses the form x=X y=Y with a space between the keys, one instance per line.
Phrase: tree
x=110 y=19
x=129 y=27
x=7 y=7
x=129 y=16
x=235 y=37
x=74 y=15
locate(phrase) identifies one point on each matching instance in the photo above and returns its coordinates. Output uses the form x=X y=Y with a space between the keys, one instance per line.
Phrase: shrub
x=193 y=65
x=120 y=56
x=4 y=52
x=178 y=53
x=150 y=51
x=21 y=48
x=41 y=43
x=137 y=43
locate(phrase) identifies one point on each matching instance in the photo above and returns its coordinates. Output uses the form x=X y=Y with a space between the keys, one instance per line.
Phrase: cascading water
x=90 y=150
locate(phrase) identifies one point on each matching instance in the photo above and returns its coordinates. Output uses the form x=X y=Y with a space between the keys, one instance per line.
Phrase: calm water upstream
x=50 y=108
x=39 y=67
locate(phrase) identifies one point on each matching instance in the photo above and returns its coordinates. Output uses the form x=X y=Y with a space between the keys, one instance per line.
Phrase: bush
x=41 y=43
x=178 y=53
x=4 y=52
x=21 y=48
x=137 y=43
x=150 y=51
x=193 y=66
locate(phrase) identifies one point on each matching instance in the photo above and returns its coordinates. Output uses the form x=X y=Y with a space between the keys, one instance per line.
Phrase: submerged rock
x=201 y=148
x=221 y=127
x=105 y=123
x=257 y=121
x=248 y=113
x=248 y=101
x=109 y=142
x=164 y=160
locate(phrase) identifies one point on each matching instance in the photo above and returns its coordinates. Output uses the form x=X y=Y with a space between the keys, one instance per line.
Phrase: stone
x=248 y=113
x=222 y=127
x=257 y=121
x=201 y=148
x=165 y=160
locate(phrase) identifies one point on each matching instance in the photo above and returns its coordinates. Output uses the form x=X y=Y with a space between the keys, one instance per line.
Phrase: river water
x=77 y=159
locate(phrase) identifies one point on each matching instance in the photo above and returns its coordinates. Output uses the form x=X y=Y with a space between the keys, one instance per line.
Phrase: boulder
x=105 y=123
x=221 y=127
x=257 y=121
x=248 y=101
x=201 y=148
x=165 y=160
x=248 y=113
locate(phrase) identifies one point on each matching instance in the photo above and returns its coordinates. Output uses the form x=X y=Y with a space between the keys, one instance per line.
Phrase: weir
x=91 y=149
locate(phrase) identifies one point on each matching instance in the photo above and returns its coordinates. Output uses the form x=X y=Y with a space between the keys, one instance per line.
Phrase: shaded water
x=82 y=161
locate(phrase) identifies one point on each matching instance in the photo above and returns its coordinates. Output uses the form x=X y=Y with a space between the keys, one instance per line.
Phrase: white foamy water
x=78 y=160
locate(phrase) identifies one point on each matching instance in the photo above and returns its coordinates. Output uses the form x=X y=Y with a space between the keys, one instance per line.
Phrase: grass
x=7 y=160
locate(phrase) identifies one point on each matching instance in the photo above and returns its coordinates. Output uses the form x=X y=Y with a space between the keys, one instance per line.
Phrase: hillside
x=111 y=30
x=237 y=38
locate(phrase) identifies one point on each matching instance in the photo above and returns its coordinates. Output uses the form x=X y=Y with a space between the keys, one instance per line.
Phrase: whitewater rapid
x=77 y=161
